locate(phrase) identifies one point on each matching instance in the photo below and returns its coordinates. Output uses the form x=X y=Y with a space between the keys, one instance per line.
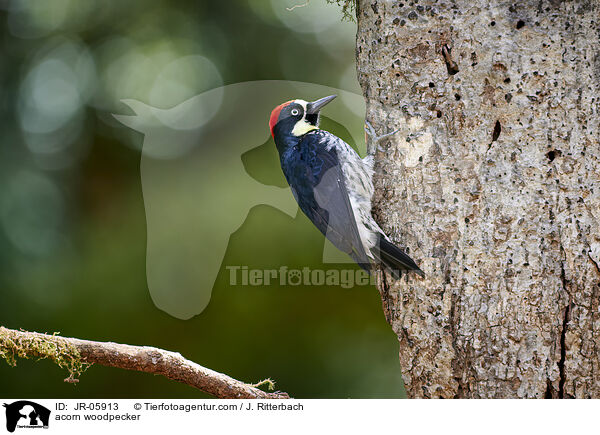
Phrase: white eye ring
x=295 y=112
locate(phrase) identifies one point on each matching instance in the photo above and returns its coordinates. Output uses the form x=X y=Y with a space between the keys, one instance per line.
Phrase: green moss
x=348 y=8
x=269 y=383
x=41 y=346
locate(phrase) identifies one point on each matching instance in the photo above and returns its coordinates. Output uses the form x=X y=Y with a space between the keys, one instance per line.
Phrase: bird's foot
x=376 y=140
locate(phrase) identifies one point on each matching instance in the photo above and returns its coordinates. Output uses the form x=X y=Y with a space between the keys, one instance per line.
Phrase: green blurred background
x=72 y=223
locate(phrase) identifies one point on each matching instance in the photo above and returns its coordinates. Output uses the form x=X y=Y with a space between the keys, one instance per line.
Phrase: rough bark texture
x=71 y=353
x=493 y=181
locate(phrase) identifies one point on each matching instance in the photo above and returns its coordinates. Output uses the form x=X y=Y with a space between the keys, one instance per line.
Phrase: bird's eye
x=295 y=112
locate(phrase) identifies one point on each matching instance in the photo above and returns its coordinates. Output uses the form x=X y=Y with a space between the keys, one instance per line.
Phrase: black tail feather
x=364 y=266
x=393 y=258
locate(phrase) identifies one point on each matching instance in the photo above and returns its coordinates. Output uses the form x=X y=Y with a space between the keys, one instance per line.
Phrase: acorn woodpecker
x=333 y=186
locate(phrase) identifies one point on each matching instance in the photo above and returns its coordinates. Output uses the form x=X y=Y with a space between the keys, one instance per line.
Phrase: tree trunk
x=493 y=181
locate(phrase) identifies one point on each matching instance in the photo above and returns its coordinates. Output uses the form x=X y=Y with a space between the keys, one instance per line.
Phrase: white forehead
x=302 y=103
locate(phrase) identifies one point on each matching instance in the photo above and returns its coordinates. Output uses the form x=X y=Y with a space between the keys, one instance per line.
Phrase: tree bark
x=493 y=182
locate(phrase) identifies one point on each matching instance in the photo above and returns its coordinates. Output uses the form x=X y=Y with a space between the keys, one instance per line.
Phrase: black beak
x=314 y=107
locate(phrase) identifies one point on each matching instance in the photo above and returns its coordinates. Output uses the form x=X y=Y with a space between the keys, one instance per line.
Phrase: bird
x=333 y=186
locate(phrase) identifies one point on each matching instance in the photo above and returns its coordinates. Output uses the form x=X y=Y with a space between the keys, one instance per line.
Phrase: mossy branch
x=77 y=355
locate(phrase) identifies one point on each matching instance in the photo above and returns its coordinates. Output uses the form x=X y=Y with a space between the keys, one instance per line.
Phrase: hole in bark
x=451 y=66
x=473 y=59
x=439 y=114
x=457 y=97
x=520 y=24
x=508 y=97
x=431 y=85
x=493 y=23
x=507 y=80
x=553 y=154
x=496 y=132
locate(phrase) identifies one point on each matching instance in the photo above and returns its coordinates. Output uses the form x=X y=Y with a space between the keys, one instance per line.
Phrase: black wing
x=322 y=195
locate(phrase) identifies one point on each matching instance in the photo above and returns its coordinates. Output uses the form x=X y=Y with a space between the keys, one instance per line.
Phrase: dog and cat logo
x=26 y=414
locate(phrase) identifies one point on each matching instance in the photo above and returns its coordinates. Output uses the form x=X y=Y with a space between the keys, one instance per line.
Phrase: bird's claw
x=370 y=130
x=377 y=139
